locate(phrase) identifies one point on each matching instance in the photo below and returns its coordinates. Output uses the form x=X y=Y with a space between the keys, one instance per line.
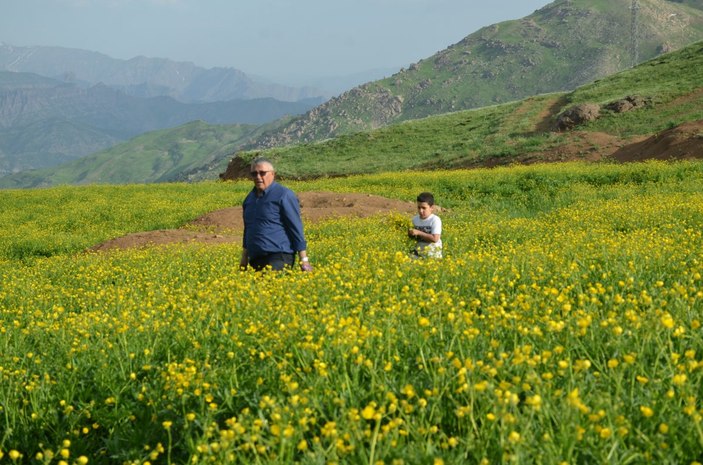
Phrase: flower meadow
x=563 y=326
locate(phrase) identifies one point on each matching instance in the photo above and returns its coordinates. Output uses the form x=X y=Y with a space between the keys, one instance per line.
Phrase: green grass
x=67 y=219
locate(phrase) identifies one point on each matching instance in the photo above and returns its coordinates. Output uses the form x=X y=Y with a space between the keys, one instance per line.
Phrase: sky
x=277 y=39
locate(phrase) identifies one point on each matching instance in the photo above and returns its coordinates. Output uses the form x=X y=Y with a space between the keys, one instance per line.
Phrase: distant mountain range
x=59 y=104
x=147 y=77
x=45 y=122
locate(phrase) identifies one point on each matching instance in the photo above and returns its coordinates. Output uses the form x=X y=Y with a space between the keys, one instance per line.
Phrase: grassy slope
x=445 y=141
x=504 y=130
x=153 y=157
x=665 y=79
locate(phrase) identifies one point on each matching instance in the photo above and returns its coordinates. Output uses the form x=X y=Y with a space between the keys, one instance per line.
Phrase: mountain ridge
x=560 y=46
x=146 y=77
x=35 y=109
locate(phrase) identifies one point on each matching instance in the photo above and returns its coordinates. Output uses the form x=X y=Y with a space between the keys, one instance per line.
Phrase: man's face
x=424 y=210
x=262 y=174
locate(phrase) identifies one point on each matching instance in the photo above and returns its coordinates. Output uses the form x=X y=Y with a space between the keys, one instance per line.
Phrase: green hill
x=559 y=47
x=670 y=83
x=500 y=134
x=153 y=157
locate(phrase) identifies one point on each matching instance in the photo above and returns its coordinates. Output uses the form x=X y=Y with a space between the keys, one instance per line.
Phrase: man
x=273 y=229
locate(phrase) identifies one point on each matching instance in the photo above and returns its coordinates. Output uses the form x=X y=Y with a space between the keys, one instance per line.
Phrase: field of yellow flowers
x=563 y=326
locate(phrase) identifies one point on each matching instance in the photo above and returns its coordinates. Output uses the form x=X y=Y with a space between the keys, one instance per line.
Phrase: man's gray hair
x=261 y=160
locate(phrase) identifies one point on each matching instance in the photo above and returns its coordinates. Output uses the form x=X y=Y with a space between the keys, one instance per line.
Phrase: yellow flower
x=534 y=401
x=408 y=390
x=481 y=386
x=667 y=320
x=369 y=412
x=646 y=411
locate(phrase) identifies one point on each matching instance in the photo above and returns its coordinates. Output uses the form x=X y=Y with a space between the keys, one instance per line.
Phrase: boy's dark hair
x=426 y=197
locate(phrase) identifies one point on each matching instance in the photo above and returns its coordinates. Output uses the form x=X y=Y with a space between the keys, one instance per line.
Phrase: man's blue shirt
x=272 y=222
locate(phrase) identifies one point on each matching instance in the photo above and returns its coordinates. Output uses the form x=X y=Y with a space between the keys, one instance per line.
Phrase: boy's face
x=424 y=210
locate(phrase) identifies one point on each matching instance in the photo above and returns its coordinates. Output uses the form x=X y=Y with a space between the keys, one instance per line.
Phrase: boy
x=427 y=228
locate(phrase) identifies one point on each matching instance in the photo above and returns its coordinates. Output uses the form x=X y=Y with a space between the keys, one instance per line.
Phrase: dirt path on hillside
x=226 y=225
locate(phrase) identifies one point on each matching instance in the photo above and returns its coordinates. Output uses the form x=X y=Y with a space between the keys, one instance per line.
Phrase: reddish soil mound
x=226 y=226
x=682 y=142
x=581 y=145
x=679 y=143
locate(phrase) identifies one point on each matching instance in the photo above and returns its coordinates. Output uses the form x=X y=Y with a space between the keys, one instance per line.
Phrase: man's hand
x=305 y=266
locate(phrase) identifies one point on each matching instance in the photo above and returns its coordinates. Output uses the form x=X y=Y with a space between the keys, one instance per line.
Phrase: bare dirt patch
x=580 y=146
x=679 y=143
x=226 y=225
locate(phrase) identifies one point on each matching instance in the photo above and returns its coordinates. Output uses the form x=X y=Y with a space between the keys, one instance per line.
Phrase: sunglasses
x=260 y=173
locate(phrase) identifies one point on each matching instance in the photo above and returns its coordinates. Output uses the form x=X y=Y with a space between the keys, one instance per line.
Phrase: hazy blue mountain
x=147 y=77
x=45 y=122
x=336 y=85
x=156 y=156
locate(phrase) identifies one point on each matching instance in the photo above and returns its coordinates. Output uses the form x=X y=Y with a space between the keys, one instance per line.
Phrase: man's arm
x=292 y=222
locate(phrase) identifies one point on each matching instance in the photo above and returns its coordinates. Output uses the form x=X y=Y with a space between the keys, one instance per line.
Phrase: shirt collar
x=265 y=191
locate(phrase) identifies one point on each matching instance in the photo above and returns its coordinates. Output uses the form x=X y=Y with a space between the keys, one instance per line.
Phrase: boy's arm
x=423 y=236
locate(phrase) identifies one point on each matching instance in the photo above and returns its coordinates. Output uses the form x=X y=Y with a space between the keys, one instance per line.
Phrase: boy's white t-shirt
x=431 y=225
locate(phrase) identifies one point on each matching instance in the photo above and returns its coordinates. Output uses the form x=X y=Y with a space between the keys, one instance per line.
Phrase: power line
x=634 y=33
